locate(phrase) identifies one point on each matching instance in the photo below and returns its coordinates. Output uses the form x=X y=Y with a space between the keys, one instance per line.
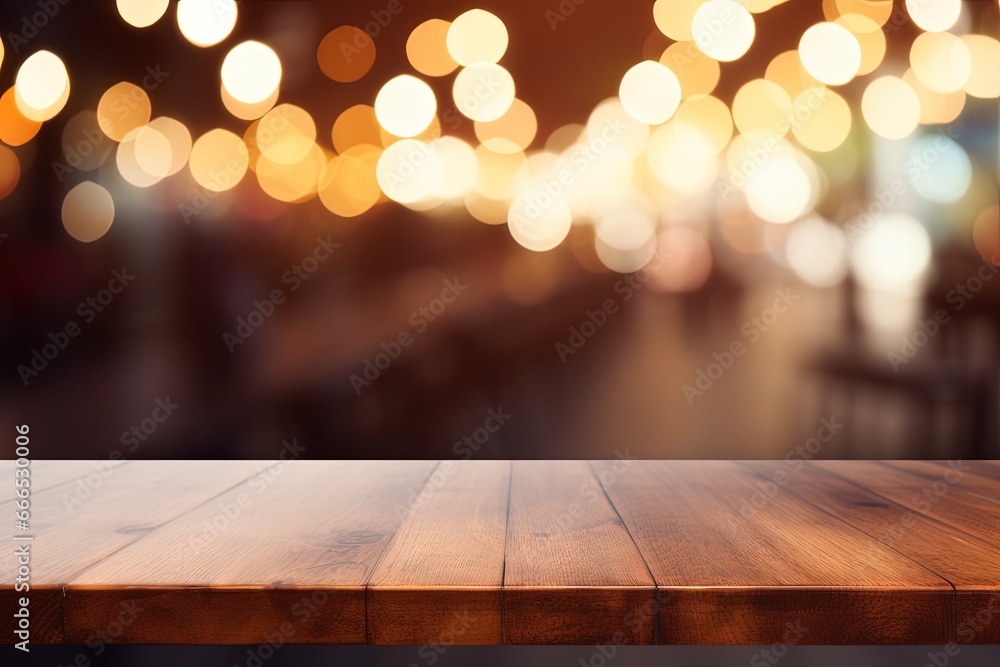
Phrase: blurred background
x=571 y=230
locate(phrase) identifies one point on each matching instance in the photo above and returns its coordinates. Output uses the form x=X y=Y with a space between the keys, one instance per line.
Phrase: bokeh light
x=786 y=70
x=870 y=38
x=142 y=13
x=762 y=106
x=409 y=171
x=10 y=171
x=245 y=111
x=538 y=220
x=459 y=167
x=825 y=122
x=935 y=108
x=686 y=260
x=354 y=126
x=710 y=116
x=984 y=79
x=674 y=17
x=84 y=146
x=816 y=251
x=941 y=61
x=483 y=91
x=347 y=185
x=893 y=253
x=127 y=157
x=830 y=53
x=486 y=210
x=427 y=49
x=761 y=6
x=512 y=132
x=405 y=106
x=779 y=190
x=219 y=159
x=431 y=132
x=934 y=15
x=153 y=152
x=292 y=182
x=88 y=212
x=878 y=11
x=251 y=72
x=565 y=136
x=609 y=119
x=985 y=233
x=286 y=134
x=15 y=128
x=682 y=158
x=206 y=22
x=695 y=71
x=41 y=88
x=477 y=36
x=122 y=108
x=625 y=240
x=723 y=29
x=643 y=172
x=939 y=169
x=650 y=92
x=179 y=139
x=346 y=53
x=499 y=174
x=890 y=107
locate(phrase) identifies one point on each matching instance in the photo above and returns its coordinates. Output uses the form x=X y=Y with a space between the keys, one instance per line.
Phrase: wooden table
x=490 y=552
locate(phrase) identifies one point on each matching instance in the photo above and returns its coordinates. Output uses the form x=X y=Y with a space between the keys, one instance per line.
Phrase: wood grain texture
x=47 y=474
x=439 y=553
x=989 y=469
x=740 y=560
x=935 y=497
x=439 y=580
x=573 y=573
x=290 y=547
x=46 y=599
x=963 y=475
x=969 y=564
x=77 y=524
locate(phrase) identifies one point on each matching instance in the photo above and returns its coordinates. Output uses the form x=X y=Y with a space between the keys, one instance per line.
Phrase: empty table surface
x=522 y=552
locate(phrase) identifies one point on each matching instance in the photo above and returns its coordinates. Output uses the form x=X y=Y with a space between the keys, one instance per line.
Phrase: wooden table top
x=523 y=552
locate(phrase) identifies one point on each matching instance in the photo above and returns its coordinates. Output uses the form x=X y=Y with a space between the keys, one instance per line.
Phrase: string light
x=659 y=146
x=206 y=22
x=251 y=72
x=723 y=29
x=41 y=88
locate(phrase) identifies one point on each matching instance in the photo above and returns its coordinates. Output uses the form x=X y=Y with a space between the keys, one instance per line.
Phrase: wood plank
x=938 y=498
x=971 y=565
x=989 y=469
x=46 y=602
x=74 y=527
x=439 y=580
x=47 y=474
x=288 y=552
x=965 y=475
x=740 y=561
x=573 y=574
